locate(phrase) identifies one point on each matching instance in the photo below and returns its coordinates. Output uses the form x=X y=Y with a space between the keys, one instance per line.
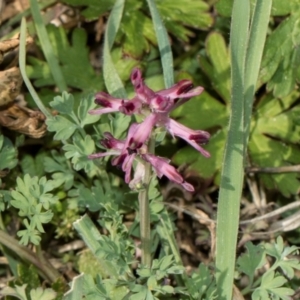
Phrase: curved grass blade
x=257 y=38
x=112 y=80
x=22 y=63
x=46 y=46
x=163 y=45
x=232 y=173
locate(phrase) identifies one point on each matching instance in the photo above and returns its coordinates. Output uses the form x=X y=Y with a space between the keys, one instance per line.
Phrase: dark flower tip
x=185 y=86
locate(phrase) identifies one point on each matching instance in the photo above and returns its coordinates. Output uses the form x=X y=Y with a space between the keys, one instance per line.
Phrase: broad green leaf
x=281 y=57
x=87 y=104
x=216 y=64
x=279 y=7
x=266 y=152
x=41 y=294
x=272 y=284
x=62 y=126
x=91 y=198
x=92 y=10
x=250 y=261
x=61 y=171
x=8 y=154
x=33 y=165
x=137 y=30
x=274 y=131
x=63 y=104
x=178 y=15
x=195 y=112
x=282 y=8
x=78 y=152
x=74 y=59
x=206 y=167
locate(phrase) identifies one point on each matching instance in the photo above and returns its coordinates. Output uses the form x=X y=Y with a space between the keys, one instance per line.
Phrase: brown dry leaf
x=23 y=120
x=12 y=115
x=10 y=85
x=9 y=10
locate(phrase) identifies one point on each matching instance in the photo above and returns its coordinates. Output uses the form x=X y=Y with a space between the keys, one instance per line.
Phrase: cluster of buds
x=155 y=108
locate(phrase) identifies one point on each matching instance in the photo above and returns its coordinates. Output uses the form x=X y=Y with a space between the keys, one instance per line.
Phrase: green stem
x=45 y=269
x=145 y=212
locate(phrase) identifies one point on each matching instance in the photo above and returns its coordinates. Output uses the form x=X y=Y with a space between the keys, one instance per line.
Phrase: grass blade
x=163 y=45
x=22 y=63
x=112 y=80
x=257 y=38
x=232 y=173
x=47 y=47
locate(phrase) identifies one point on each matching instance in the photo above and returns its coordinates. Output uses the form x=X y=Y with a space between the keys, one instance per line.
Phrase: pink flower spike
x=103 y=154
x=182 y=89
x=131 y=107
x=162 y=167
x=109 y=103
x=142 y=132
x=143 y=92
x=127 y=166
x=109 y=142
x=194 y=137
x=161 y=104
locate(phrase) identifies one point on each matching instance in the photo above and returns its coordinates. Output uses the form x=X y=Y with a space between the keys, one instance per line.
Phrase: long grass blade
x=22 y=64
x=232 y=173
x=163 y=45
x=47 y=47
x=112 y=80
x=258 y=32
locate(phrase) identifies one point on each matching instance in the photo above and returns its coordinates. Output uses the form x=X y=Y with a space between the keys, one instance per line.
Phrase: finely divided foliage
x=73 y=226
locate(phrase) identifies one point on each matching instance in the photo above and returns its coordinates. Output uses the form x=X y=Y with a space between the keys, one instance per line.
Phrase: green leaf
x=137 y=29
x=61 y=171
x=63 y=104
x=206 y=167
x=17 y=291
x=216 y=64
x=273 y=134
x=92 y=10
x=178 y=15
x=279 y=8
x=62 y=126
x=201 y=284
x=271 y=284
x=29 y=235
x=281 y=57
x=282 y=8
x=78 y=152
x=87 y=104
x=33 y=201
x=74 y=60
x=91 y=198
x=8 y=154
x=33 y=165
x=251 y=260
x=281 y=253
x=41 y=294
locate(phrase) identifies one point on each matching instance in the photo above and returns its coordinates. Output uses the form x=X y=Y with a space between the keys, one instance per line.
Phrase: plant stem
x=145 y=212
x=45 y=269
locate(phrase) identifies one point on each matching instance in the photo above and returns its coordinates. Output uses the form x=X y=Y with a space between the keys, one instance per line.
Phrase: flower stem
x=145 y=211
